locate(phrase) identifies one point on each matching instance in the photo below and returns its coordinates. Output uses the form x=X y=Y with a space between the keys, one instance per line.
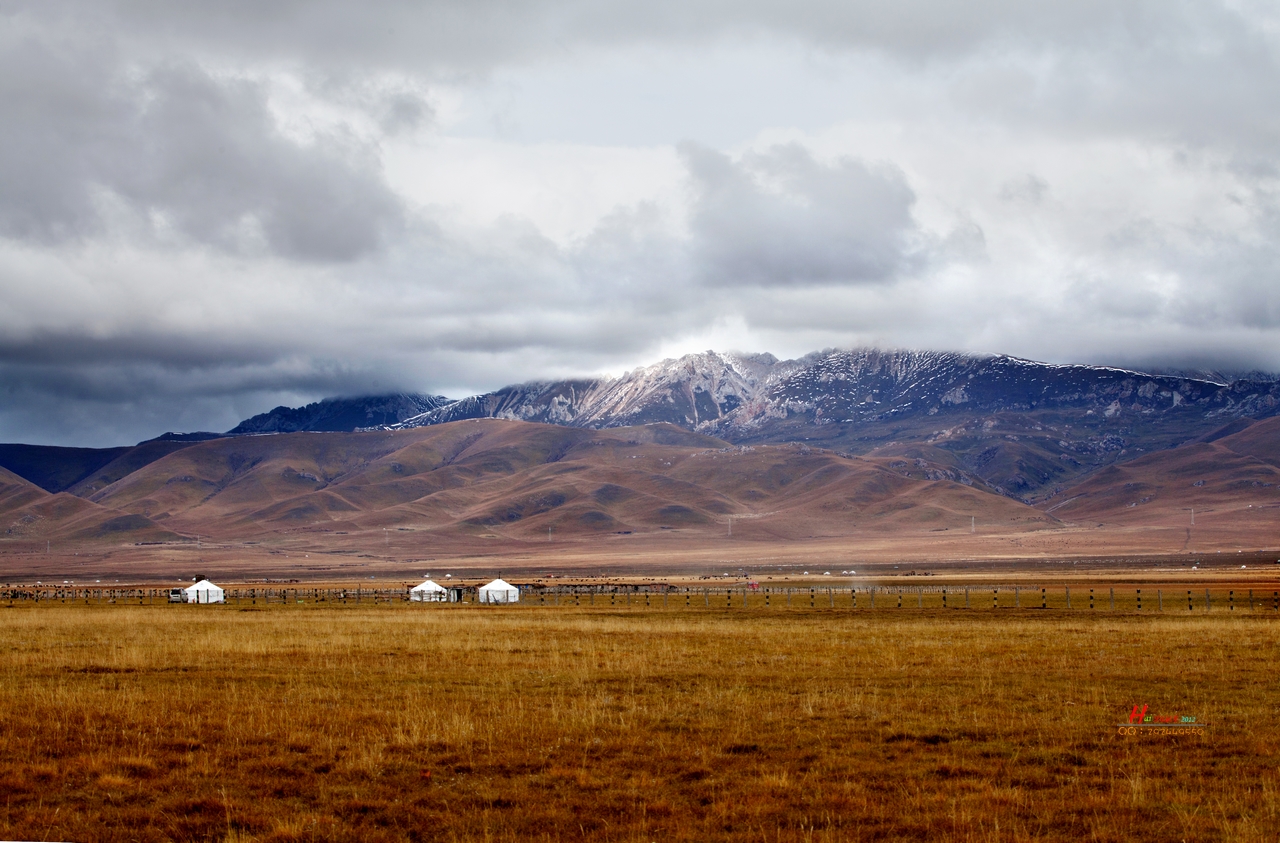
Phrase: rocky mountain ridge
x=1021 y=426
x=737 y=395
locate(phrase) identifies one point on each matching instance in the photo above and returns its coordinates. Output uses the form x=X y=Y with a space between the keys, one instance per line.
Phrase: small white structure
x=205 y=592
x=428 y=592
x=499 y=591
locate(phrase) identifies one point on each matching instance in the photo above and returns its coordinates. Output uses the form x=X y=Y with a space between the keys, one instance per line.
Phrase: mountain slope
x=516 y=481
x=82 y=471
x=1235 y=475
x=28 y=512
x=55 y=468
x=341 y=414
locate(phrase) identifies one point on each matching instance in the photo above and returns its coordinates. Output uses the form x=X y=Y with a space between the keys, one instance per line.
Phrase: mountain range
x=330 y=504
x=1022 y=428
x=1017 y=427
x=834 y=444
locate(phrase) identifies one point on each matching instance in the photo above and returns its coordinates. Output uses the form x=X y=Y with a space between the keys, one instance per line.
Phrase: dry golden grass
x=526 y=723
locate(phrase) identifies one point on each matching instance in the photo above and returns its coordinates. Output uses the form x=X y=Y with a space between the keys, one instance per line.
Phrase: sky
x=211 y=209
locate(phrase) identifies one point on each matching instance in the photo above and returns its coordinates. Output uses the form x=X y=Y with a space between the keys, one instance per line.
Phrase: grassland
x=306 y=722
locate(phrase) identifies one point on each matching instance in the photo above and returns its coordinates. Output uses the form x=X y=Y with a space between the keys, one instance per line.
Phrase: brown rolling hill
x=1233 y=473
x=517 y=480
x=344 y=503
x=27 y=512
x=15 y=495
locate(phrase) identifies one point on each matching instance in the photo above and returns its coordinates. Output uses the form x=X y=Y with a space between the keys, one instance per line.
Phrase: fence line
x=892 y=597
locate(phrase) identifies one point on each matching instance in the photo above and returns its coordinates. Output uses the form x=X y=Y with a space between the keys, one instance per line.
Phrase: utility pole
x=730 y=526
x=973 y=524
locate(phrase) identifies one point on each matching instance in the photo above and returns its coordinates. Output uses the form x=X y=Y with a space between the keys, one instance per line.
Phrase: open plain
x=561 y=719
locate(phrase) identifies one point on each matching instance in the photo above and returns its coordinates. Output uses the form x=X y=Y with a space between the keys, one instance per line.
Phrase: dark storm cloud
x=181 y=151
x=103 y=405
x=781 y=218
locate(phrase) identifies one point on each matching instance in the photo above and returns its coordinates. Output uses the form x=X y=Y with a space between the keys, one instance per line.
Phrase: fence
x=657 y=596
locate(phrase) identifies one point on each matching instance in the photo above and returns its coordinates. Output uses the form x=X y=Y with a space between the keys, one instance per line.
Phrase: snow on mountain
x=871 y=385
x=736 y=395
x=1024 y=428
x=696 y=391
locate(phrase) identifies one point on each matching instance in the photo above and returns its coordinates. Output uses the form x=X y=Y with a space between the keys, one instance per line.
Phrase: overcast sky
x=209 y=209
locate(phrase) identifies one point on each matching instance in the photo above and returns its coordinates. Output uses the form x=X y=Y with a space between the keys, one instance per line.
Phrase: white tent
x=428 y=592
x=205 y=592
x=499 y=591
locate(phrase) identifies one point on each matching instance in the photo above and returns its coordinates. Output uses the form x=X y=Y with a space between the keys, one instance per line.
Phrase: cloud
x=781 y=218
x=180 y=153
x=207 y=209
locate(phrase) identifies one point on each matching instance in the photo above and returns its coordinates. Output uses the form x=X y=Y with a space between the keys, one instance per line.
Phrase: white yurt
x=499 y=591
x=428 y=592
x=205 y=592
